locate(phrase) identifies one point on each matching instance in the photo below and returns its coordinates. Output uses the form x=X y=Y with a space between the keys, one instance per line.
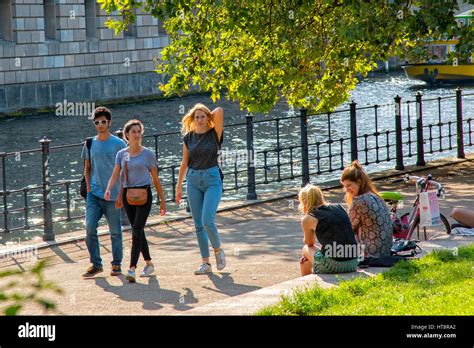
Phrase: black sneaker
x=92 y=271
x=116 y=270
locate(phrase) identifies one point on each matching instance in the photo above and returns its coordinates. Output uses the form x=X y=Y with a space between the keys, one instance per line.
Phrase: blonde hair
x=355 y=173
x=188 y=120
x=310 y=197
x=129 y=125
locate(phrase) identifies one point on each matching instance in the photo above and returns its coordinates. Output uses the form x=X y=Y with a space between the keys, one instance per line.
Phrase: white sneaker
x=220 y=260
x=147 y=271
x=203 y=269
x=131 y=276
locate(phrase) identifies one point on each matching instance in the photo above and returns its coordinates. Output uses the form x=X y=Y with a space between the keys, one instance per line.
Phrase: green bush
x=20 y=287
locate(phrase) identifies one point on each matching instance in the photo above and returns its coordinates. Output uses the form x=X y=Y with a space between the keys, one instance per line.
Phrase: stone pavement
x=262 y=243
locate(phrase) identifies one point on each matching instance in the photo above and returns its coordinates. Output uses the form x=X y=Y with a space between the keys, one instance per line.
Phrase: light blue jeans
x=95 y=208
x=204 y=188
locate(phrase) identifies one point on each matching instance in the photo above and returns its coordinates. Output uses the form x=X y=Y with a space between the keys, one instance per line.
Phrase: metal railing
x=304 y=145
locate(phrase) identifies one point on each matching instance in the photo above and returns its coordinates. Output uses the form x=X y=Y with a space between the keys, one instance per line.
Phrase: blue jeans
x=204 y=189
x=95 y=208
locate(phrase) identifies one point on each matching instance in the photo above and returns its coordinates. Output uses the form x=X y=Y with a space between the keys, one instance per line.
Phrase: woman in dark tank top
x=203 y=134
x=330 y=226
x=203 y=149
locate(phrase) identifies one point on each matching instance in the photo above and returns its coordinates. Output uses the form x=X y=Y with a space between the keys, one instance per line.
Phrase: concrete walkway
x=262 y=244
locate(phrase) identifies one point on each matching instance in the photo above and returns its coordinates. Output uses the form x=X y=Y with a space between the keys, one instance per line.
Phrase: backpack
x=83 y=189
x=401 y=249
x=384 y=261
x=405 y=248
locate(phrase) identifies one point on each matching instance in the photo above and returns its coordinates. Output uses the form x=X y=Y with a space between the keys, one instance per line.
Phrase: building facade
x=57 y=51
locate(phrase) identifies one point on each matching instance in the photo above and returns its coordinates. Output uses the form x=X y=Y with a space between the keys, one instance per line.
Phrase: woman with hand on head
x=368 y=212
x=203 y=135
x=137 y=163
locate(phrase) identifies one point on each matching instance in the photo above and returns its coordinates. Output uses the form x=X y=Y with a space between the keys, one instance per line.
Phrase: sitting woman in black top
x=330 y=225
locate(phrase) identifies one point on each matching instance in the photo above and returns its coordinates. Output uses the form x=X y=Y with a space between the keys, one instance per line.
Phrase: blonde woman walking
x=203 y=136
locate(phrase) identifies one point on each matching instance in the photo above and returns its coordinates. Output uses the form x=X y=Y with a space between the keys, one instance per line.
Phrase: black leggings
x=137 y=215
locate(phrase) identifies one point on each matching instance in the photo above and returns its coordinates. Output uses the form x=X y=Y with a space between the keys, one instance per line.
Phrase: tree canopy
x=309 y=52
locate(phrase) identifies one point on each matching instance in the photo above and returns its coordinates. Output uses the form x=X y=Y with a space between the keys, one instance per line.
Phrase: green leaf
x=47 y=304
x=13 y=310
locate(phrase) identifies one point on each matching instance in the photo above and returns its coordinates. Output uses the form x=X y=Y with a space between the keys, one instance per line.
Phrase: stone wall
x=79 y=63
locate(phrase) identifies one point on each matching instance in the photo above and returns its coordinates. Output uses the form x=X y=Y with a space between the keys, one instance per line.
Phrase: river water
x=23 y=133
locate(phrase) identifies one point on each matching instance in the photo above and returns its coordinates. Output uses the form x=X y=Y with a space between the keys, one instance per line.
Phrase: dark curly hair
x=102 y=111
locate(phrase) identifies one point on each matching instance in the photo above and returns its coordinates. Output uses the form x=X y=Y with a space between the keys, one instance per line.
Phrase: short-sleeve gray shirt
x=139 y=167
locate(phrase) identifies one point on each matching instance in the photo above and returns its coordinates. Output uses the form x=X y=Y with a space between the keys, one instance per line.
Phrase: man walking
x=98 y=170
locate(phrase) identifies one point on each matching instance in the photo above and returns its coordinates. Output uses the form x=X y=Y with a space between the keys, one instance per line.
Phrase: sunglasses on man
x=103 y=122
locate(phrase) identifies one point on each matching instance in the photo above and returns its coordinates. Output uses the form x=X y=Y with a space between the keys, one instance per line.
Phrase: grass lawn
x=438 y=284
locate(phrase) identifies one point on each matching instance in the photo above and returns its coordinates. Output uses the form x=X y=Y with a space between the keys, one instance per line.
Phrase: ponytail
x=356 y=173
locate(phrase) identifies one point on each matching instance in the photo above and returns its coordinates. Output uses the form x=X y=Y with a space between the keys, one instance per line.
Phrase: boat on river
x=439 y=69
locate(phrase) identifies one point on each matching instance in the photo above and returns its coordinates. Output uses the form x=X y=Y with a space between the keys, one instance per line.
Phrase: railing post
x=354 y=150
x=3 y=155
x=48 y=234
x=459 y=121
x=251 y=192
x=304 y=148
x=123 y=214
x=419 y=132
x=398 y=133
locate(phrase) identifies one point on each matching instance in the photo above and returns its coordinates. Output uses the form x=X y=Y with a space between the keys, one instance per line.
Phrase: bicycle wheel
x=443 y=227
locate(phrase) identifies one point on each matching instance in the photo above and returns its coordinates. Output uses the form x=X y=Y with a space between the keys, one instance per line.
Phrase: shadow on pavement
x=225 y=285
x=64 y=257
x=151 y=294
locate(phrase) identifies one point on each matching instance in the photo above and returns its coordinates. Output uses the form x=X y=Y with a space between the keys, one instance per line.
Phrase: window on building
x=161 y=29
x=131 y=29
x=6 y=30
x=50 y=19
x=91 y=16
